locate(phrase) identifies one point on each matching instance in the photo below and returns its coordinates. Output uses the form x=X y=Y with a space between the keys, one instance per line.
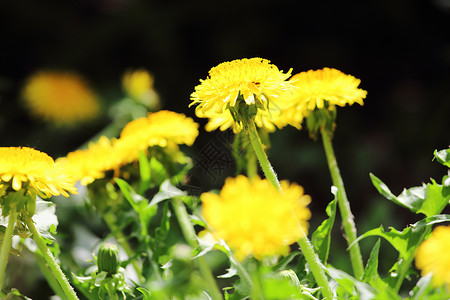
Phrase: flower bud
x=108 y=258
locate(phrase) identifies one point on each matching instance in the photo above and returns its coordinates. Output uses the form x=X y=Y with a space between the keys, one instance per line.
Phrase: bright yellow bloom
x=254 y=218
x=432 y=255
x=257 y=82
x=91 y=163
x=163 y=128
x=138 y=84
x=60 y=98
x=35 y=171
x=314 y=88
x=157 y=129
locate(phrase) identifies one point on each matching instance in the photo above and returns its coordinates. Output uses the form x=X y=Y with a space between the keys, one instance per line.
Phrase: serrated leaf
x=321 y=237
x=429 y=199
x=443 y=156
x=405 y=241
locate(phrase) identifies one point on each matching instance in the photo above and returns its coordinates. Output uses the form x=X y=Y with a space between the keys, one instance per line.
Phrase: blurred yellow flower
x=255 y=81
x=314 y=88
x=163 y=128
x=87 y=165
x=157 y=129
x=61 y=98
x=138 y=84
x=254 y=218
x=432 y=255
x=34 y=171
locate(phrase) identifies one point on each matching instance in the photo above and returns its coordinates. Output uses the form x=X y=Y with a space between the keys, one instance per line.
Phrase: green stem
x=121 y=239
x=191 y=238
x=305 y=244
x=261 y=155
x=51 y=261
x=252 y=164
x=6 y=245
x=316 y=267
x=344 y=207
x=405 y=264
x=49 y=276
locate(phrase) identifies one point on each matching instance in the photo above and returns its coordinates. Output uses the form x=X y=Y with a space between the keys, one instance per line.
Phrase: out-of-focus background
x=399 y=49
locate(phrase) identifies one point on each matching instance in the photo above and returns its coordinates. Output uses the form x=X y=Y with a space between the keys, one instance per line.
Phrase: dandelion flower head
x=331 y=86
x=254 y=218
x=163 y=128
x=157 y=129
x=87 y=165
x=432 y=255
x=60 y=98
x=255 y=81
x=34 y=171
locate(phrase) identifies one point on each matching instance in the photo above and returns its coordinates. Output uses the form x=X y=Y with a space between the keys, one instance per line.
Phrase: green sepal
x=321 y=119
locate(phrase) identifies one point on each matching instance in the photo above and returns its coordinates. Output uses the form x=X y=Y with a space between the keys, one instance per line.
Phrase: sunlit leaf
x=350 y=285
x=443 y=156
x=429 y=199
x=321 y=237
x=167 y=191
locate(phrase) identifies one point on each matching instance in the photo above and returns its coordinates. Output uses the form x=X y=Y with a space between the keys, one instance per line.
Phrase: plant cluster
x=249 y=240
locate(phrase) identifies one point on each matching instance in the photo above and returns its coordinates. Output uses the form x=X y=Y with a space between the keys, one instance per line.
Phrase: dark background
x=399 y=49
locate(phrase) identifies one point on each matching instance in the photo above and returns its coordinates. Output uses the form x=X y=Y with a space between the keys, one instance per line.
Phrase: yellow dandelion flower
x=257 y=82
x=163 y=128
x=34 y=171
x=314 y=88
x=60 y=98
x=432 y=255
x=254 y=218
x=138 y=84
x=157 y=129
x=87 y=165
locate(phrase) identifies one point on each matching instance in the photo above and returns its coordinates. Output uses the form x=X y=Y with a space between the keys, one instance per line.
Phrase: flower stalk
x=51 y=261
x=344 y=206
x=305 y=244
x=6 y=245
x=190 y=236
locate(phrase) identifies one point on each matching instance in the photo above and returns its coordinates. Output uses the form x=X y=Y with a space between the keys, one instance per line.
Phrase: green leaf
x=429 y=199
x=167 y=191
x=145 y=172
x=45 y=219
x=349 y=286
x=371 y=269
x=158 y=172
x=405 y=241
x=443 y=156
x=279 y=287
x=140 y=205
x=321 y=238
